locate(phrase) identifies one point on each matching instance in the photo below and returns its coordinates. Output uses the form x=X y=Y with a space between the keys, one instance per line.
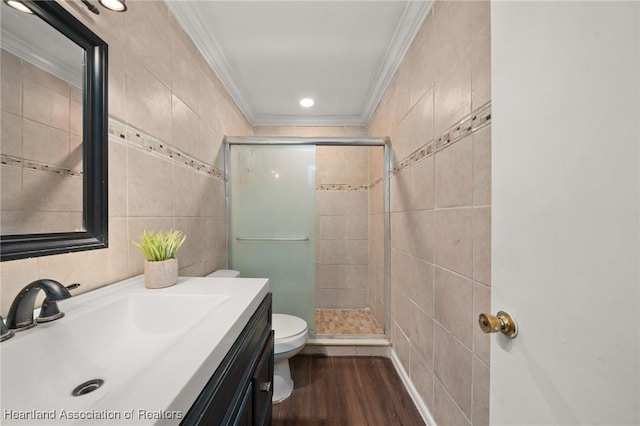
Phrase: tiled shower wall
x=440 y=210
x=161 y=91
x=41 y=150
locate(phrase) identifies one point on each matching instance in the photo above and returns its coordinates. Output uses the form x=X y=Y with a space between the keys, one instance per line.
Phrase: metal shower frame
x=325 y=141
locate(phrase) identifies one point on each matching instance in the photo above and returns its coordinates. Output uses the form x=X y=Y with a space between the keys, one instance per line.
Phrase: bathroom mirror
x=54 y=133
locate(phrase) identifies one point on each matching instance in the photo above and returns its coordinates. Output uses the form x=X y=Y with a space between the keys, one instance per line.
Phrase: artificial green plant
x=159 y=246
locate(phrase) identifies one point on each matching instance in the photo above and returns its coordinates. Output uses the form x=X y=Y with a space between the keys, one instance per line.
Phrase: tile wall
x=437 y=113
x=41 y=151
x=162 y=90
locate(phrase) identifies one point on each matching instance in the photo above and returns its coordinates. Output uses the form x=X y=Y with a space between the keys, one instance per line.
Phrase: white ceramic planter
x=160 y=274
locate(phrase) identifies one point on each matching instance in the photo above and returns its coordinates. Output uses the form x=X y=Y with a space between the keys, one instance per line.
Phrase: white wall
x=566 y=232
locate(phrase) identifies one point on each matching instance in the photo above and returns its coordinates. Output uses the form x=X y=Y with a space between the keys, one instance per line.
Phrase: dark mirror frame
x=95 y=148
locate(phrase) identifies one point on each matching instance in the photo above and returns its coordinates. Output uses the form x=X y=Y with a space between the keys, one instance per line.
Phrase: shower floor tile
x=346 y=321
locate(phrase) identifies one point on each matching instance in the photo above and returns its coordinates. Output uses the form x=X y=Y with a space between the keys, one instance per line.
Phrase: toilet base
x=282 y=383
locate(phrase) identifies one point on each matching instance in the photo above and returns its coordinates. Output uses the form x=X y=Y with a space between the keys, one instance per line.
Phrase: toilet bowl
x=290 y=335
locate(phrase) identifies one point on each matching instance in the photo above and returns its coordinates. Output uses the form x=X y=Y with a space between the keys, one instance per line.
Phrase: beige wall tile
x=401 y=346
x=117 y=180
x=356 y=276
x=453 y=368
x=481 y=391
x=422 y=184
x=45 y=144
x=117 y=98
x=341 y=298
x=482 y=167
x=419 y=286
x=356 y=227
x=452 y=95
x=147 y=100
x=44 y=191
x=149 y=185
x=330 y=251
x=330 y=276
x=11 y=80
x=12 y=221
x=400 y=188
x=417 y=326
x=446 y=412
x=188 y=192
x=481 y=54
x=50 y=81
x=186 y=127
x=356 y=252
x=330 y=203
x=191 y=251
x=454 y=175
x=11 y=134
x=356 y=203
x=422 y=234
x=11 y=188
x=454 y=240
x=454 y=305
x=48 y=221
x=184 y=82
x=482 y=245
x=45 y=106
x=330 y=227
x=421 y=375
x=75 y=118
x=148 y=38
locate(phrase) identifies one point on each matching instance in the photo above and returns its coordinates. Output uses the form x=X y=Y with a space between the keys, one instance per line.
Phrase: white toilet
x=291 y=334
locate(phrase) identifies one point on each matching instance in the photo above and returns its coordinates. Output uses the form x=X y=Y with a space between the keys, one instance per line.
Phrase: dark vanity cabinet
x=240 y=390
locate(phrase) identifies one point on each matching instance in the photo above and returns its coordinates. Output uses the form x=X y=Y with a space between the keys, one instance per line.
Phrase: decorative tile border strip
x=341 y=187
x=144 y=142
x=475 y=121
x=9 y=160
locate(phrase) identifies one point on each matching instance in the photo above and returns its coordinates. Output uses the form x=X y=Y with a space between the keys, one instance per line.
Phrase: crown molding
x=412 y=17
x=187 y=15
x=41 y=59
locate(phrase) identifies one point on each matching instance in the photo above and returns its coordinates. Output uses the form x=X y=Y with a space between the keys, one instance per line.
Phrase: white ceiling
x=270 y=54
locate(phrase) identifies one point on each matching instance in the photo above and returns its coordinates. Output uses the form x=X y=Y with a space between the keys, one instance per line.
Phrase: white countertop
x=154 y=360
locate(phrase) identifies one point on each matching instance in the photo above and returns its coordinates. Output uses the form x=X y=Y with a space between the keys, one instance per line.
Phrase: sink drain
x=87 y=387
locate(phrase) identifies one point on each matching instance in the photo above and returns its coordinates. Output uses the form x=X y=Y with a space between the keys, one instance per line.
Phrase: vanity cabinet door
x=244 y=417
x=263 y=385
x=230 y=396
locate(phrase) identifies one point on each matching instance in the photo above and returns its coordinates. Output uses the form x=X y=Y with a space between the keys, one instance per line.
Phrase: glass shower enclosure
x=272 y=232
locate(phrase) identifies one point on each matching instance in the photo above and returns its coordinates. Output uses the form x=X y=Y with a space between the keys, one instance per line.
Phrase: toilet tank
x=225 y=273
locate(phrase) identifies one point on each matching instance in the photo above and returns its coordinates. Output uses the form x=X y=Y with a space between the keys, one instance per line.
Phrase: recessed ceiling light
x=18 y=5
x=115 y=5
x=306 y=102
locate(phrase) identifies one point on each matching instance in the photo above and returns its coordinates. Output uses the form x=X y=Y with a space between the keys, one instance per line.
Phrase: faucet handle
x=5 y=333
x=49 y=311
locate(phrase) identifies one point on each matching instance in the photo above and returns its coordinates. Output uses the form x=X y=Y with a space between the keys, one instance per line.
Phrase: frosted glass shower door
x=273 y=222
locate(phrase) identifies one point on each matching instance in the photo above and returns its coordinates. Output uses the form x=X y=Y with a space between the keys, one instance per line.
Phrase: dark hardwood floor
x=346 y=391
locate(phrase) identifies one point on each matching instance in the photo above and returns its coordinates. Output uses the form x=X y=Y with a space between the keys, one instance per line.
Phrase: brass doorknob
x=502 y=322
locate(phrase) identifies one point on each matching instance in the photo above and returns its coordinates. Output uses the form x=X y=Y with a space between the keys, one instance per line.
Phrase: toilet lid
x=287 y=325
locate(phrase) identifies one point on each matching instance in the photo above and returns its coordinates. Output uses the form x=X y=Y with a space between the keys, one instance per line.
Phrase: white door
x=566 y=194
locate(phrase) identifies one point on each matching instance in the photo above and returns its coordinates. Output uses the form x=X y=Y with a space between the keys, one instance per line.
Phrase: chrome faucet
x=21 y=312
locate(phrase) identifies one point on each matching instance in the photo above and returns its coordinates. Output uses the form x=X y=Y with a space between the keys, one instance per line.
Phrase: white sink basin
x=148 y=347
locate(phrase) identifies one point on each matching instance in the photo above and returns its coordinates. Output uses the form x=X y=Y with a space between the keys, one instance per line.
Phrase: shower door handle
x=272 y=239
